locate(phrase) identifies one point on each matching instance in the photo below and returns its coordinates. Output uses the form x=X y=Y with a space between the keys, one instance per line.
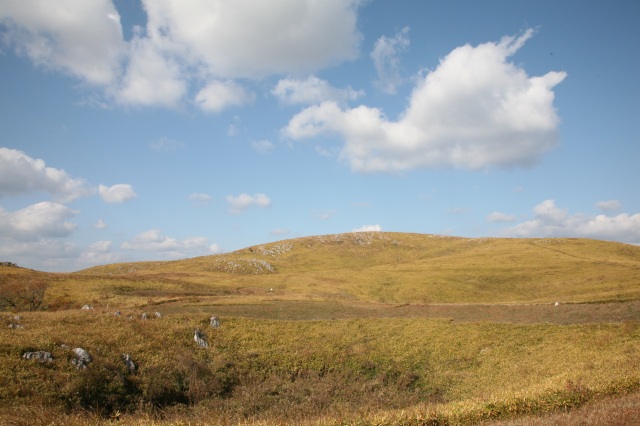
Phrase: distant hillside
x=408 y=268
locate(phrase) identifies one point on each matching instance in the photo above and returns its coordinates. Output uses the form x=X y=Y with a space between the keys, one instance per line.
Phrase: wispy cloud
x=100 y=224
x=500 y=217
x=324 y=214
x=154 y=241
x=219 y=95
x=385 y=55
x=262 y=146
x=311 y=91
x=165 y=144
x=609 y=206
x=238 y=204
x=368 y=228
x=199 y=199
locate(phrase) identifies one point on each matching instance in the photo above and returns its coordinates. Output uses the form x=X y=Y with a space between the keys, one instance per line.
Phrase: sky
x=165 y=129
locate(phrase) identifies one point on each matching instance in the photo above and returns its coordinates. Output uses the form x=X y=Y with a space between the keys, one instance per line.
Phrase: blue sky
x=153 y=130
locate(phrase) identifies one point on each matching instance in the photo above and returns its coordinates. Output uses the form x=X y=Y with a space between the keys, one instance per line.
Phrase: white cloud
x=279 y=232
x=609 y=206
x=458 y=210
x=165 y=144
x=215 y=249
x=368 y=228
x=218 y=95
x=234 y=127
x=500 y=217
x=205 y=198
x=385 y=59
x=323 y=215
x=312 y=91
x=33 y=236
x=21 y=174
x=43 y=254
x=200 y=200
x=99 y=253
x=83 y=39
x=253 y=38
x=37 y=221
x=100 y=224
x=262 y=146
x=238 y=204
x=153 y=241
x=117 y=193
x=185 y=44
x=152 y=78
x=552 y=221
x=475 y=111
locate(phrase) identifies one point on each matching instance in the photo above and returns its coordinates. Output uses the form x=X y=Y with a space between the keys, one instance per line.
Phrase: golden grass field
x=360 y=328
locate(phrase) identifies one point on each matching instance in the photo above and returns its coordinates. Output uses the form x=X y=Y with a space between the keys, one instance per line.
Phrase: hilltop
x=385 y=267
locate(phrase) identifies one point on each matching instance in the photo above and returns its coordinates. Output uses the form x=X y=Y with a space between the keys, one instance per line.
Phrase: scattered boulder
x=200 y=339
x=86 y=307
x=556 y=304
x=17 y=317
x=82 y=358
x=128 y=362
x=158 y=315
x=117 y=313
x=15 y=326
x=41 y=356
x=215 y=323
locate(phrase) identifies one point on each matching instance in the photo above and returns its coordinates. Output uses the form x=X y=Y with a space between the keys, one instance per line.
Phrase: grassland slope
x=384 y=267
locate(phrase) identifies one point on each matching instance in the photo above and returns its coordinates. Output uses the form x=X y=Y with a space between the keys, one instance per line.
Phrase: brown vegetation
x=21 y=293
x=347 y=329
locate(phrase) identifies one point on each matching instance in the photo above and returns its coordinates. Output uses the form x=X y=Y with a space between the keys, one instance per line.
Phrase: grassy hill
x=400 y=268
x=360 y=328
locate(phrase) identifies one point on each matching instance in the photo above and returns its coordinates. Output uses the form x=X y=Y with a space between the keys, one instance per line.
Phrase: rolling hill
x=404 y=268
x=359 y=328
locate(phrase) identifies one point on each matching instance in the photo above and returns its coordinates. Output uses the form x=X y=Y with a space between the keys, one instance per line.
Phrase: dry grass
x=611 y=411
x=294 y=371
x=402 y=268
x=365 y=328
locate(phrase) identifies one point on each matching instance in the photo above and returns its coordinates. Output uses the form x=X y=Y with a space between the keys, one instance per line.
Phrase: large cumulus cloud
x=476 y=110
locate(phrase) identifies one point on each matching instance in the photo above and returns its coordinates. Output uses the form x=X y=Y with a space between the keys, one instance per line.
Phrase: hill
x=359 y=328
x=401 y=268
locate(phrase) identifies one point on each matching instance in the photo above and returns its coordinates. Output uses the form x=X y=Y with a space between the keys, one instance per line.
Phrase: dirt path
x=517 y=314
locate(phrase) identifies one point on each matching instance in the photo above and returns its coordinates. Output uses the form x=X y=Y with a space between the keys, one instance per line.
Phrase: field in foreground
x=351 y=329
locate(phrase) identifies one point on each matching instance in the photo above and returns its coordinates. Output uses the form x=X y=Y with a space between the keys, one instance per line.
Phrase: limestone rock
x=82 y=358
x=215 y=323
x=200 y=339
x=128 y=362
x=41 y=356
